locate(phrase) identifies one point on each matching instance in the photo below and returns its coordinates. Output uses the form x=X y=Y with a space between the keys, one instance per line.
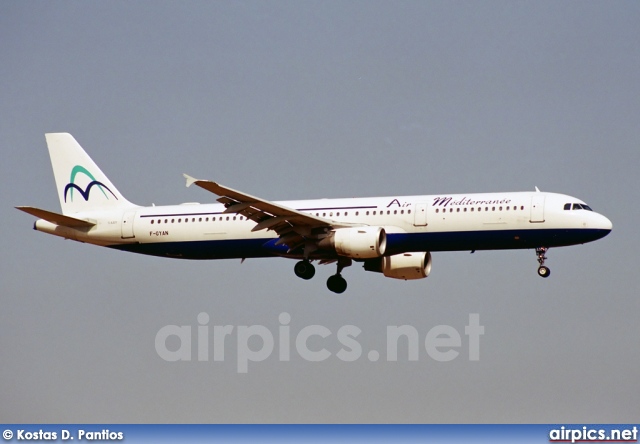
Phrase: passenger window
x=437 y=210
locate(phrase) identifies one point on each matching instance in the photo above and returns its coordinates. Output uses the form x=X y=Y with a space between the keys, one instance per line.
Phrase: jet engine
x=356 y=243
x=405 y=266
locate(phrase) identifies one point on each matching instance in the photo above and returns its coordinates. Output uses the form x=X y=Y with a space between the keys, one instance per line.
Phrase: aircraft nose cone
x=606 y=224
x=603 y=223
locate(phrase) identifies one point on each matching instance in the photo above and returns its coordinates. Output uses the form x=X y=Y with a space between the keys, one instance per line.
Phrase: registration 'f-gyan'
x=391 y=235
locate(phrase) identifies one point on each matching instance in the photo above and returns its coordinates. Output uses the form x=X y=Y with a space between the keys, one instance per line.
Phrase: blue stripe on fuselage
x=490 y=240
x=396 y=243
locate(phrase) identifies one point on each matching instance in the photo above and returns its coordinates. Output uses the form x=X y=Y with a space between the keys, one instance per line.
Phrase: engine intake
x=407 y=266
x=356 y=243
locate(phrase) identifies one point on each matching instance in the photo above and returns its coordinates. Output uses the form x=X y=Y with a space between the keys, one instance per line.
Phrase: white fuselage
x=412 y=223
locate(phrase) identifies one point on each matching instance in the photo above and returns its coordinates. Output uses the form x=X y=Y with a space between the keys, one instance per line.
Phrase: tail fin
x=82 y=186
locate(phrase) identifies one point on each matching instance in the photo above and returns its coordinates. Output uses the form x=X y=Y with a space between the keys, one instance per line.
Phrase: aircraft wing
x=293 y=226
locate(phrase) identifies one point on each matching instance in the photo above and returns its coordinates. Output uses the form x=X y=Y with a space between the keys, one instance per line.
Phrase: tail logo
x=84 y=193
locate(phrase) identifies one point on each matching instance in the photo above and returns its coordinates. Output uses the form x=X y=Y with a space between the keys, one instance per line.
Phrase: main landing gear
x=304 y=269
x=542 y=270
x=337 y=283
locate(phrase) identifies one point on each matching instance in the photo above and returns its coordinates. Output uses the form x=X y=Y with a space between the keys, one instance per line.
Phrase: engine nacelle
x=356 y=243
x=405 y=266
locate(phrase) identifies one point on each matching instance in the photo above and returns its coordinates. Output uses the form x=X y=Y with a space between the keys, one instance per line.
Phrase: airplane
x=392 y=235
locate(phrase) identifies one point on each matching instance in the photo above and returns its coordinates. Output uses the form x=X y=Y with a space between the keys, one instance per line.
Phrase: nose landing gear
x=542 y=270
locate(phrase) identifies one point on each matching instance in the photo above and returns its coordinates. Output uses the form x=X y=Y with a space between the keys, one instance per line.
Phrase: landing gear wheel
x=304 y=270
x=336 y=283
x=544 y=272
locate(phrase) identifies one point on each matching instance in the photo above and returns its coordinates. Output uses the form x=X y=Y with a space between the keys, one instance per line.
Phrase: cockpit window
x=577 y=206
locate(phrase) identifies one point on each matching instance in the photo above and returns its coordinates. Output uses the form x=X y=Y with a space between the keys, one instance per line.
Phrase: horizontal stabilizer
x=56 y=218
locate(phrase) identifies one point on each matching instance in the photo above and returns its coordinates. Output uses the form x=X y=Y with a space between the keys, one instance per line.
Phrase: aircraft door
x=420 y=216
x=127 y=224
x=537 y=208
